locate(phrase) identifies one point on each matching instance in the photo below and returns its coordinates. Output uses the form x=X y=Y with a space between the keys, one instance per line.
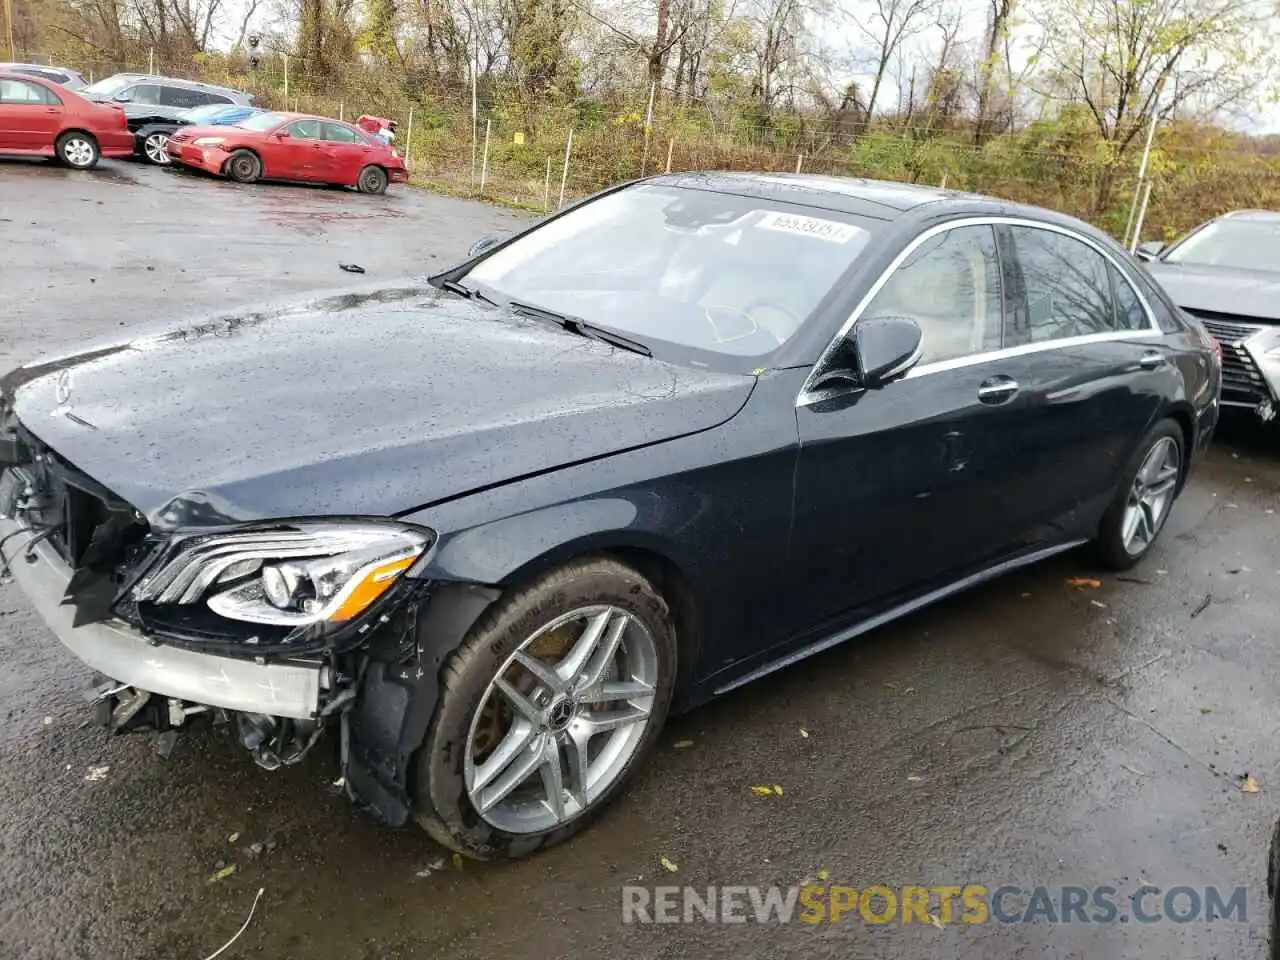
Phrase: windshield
x=109 y=86
x=262 y=122
x=1244 y=244
x=709 y=271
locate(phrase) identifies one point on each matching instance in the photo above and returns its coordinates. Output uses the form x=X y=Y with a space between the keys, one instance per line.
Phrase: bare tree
x=886 y=28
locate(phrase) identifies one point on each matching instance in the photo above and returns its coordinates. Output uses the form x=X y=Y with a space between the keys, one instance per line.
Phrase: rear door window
x=306 y=130
x=1067 y=285
x=147 y=93
x=337 y=132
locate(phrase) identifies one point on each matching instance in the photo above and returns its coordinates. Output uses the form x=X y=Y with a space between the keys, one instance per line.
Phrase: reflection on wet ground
x=1029 y=732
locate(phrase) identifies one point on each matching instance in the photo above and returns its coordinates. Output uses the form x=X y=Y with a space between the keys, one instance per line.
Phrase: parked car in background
x=62 y=76
x=1226 y=273
x=39 y=118
x=155 y=104
x=290 y=146
x=662 y=444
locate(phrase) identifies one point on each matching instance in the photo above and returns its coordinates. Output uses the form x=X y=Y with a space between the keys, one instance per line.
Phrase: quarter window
x=1067 y=284
x=1130 y=314
x=950 y=286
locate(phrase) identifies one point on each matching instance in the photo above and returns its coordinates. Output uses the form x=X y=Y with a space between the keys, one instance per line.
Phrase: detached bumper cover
x=123 y=654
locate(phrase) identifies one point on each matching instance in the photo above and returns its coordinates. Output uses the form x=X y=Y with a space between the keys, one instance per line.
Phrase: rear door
x=346 y=153
x=902 y=487
x=1092 y=368
x=30 y=116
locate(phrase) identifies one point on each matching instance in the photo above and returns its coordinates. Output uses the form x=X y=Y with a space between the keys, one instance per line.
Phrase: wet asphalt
x=1029 y=732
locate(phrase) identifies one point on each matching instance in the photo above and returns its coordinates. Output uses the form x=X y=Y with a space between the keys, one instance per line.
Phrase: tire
x=153 y=148
x=78 y=150
x=517 y=625
x=1161 y=455
x=372 y=180
x=243 y=166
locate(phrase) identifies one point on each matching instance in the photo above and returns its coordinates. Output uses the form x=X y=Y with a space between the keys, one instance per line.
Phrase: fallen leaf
x=431 y=868
x=1098 y=603
x=777 y=789
x=935 y=921
x=223 y=873
x=1161 y=573
x=1206 y=710
x=681 y=744
x=910 y=691
x=339 y=783
x=804 y=733
x=822 y=874
x=668 y=865
x=457 y=861
x=1089 y=582
x=1250 y=785
x=891 y=684
x=97 y=773
x=914 y=779
x=233 y=838
x=762 y=791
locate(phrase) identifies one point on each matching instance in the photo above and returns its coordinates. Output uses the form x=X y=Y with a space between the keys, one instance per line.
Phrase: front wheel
x=372 y=180
x=243 y=166
x=548 y=706
x=1145 y=499
x=155 y=147
x=77 y=150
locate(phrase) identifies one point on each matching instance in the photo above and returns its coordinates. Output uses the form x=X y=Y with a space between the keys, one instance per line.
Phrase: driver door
x=900 y=488
x=300 y=155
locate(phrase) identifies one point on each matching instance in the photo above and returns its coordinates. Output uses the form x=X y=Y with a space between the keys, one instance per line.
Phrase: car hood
x=370 y=403
x=1243 y=293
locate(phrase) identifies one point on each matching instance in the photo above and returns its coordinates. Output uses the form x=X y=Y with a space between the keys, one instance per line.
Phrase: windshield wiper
x=462 y=290
x=581 y=327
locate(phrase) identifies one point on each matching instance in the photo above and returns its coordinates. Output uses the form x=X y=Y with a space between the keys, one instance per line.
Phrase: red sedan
x=290 y=146
x=38 y=118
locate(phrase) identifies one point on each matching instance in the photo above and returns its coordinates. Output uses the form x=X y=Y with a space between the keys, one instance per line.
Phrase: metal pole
x=648 y=127
x=8 y=19
x=341 y=110
x=475 y=110
x=286 y=81
x=671 y=145
x=484 y=166
x=546 y=188
x=799 y=161
x=1142 y=215
x=151 y=56
x=408 y=141
x=1142 y=167
x=564 y=176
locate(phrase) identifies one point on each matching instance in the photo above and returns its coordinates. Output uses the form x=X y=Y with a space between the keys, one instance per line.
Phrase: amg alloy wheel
x=156 y=148
x=547 y=708
x=1144 y=499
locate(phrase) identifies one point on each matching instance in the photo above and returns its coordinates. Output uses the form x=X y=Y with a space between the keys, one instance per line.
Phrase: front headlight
x=209 y=141
x=293 y=575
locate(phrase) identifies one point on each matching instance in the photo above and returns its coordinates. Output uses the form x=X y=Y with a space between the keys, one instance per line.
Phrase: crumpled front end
x=275 y=628
x=1250 y=361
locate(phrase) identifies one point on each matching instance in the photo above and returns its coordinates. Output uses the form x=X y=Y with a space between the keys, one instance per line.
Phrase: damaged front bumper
x=1250 y=362
x=117 y=650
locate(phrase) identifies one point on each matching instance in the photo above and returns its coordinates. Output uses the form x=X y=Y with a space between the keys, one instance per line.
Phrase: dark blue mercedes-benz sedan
x=495 y=528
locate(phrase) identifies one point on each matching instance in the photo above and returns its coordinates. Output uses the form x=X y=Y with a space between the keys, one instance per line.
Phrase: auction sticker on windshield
x=830 y=230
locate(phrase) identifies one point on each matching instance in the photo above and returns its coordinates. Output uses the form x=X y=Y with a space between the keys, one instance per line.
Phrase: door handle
x=1151 y=359
x=999 y=389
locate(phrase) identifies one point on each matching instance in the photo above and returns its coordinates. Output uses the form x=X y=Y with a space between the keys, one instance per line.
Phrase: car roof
x=877 y=199
x=1265 y=216
x=177 y=82
x=11 y=66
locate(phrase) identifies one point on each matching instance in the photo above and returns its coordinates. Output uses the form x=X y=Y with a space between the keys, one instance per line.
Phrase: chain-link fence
x=495 y=142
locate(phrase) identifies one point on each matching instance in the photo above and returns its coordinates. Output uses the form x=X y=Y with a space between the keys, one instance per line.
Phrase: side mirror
x=487 y=241
x=1149 y=250
x=886 y=347
x=122 y=97
x=281 y=134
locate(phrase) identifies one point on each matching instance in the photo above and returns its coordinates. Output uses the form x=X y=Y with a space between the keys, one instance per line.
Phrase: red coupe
x=290 y=146
x=38 y=118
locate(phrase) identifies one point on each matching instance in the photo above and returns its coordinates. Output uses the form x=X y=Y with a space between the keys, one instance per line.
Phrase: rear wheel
x=1145 y=498
x=244 y=166
x=155 y=147
x=548 y=707
x=372 y=180
x=77 y=150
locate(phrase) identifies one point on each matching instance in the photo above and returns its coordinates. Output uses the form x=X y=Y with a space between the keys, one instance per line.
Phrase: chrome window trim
x=810 y=394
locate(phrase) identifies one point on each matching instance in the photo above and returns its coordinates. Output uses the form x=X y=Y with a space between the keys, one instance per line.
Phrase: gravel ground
x=1029 y=732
